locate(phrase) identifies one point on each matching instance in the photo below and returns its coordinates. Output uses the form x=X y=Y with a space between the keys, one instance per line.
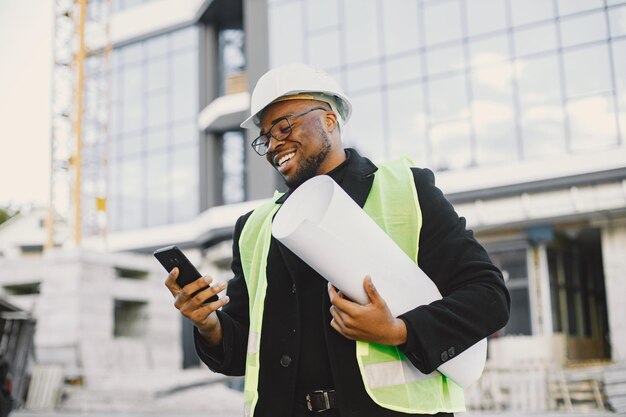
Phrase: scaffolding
x=79 y=128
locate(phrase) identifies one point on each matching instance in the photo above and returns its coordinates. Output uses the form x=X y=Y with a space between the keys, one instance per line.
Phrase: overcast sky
x=25 y=70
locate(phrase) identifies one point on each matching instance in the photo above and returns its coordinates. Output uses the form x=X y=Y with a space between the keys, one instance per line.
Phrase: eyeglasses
x=280 y=130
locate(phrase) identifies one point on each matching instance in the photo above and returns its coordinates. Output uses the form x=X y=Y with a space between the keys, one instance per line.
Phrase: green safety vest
x=389 y=378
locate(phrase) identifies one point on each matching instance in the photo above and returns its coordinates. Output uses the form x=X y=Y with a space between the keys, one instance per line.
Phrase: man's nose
x=274 y=143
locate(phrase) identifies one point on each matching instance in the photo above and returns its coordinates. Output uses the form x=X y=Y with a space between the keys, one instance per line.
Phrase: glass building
x=519 y=106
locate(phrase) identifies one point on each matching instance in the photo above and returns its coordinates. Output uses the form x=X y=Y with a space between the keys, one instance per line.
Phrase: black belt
x=321 y=400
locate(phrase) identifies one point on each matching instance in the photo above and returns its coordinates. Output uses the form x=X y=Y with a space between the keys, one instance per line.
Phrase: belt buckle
x=309 y=404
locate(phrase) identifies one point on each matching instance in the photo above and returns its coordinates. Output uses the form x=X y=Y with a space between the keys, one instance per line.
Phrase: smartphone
x=172 y=256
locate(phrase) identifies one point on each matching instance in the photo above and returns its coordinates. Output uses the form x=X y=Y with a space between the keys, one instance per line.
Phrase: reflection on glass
x=529 y=11
x=619 y=59
x=156 y=139
x=573 y=6
x=157 y=109
x=157 y=195
x=445 y=59
x=365 y=130
x=587 y=70
x=491 y=50
x=185 y=85
x=156 y=74
x=592 y=123
x=184 y=182
x=324 y=49
x=492 y=113
x=442 y=20
x=535 y=39
x=581 y=29
x=132 y=117
x=450 y=144
x=617 y=21
x=447 y=98
x=321 y=14
x=363 y=77
x=361 y=31
x=541 y=113
x=156 y=46
x=485 y=16
x=233 y=167
x=405 y=68
x=186 y=38
x=407 y=124
x=285 y=33
x=232 y=59
x=400 y=26
x=184 y=133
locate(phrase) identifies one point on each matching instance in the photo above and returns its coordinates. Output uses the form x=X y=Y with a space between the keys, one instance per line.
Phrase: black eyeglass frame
x=263 y=140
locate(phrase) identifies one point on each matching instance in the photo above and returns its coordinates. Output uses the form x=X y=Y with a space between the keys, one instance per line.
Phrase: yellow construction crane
x=79 y=128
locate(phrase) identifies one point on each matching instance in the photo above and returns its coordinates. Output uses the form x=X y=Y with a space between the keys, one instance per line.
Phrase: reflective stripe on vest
x=389 y=378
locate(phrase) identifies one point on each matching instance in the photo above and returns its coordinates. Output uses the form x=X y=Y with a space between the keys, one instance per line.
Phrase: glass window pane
x=285 y=33
x=157 y=188
x=485 y=16
x=541 y=112
x=581 y=29
x=131 y=193
x=233 y=167
x=321 y=14
x=133 y=85
x=592 y=123
x=115 y=119
x=132 y=144
x=407 y=124
x=535 y=39
x=619 y=59
x=132 y=54
x=157 y=109
x=442 y=20
x=186 y=38
x=184 y=183
x=156 y=74
x=573 y=6
x=361 y=30
x=450 y=144
x=448 y=98
x=617 y=21
x=445 y=59
x=529 y=11
x=519 y=322
x=492 y=112
x=184 y=85
x=156 y=46
x=403 y=68
x=365 y=130
x=400 y=26
x=184 y=133
x=156 y=139
x=324 y=50
x=587 y=70
x=132 y=117
x=363 y=77
x=489 y=51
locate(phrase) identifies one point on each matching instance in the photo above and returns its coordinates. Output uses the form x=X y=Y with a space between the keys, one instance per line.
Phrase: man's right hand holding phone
x=190 y=299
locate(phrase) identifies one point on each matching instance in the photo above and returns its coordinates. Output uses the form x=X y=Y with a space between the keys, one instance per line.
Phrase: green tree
x=6 y=213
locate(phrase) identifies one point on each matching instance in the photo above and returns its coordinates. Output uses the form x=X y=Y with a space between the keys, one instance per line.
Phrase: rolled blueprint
x=322 y=225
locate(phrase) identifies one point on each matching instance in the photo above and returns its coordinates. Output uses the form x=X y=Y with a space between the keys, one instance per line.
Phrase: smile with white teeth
x=285 y=158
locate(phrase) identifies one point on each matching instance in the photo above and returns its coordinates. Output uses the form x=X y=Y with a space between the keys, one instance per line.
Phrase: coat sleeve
x=229 y=358
x=475 y=300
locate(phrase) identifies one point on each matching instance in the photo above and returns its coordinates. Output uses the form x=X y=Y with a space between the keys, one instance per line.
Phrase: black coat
x=475 y=304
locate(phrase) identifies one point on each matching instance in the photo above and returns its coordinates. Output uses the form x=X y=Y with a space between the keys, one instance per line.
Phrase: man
x=305 y=348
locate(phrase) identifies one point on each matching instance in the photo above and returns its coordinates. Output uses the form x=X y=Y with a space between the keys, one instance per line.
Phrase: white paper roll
x=321 y=224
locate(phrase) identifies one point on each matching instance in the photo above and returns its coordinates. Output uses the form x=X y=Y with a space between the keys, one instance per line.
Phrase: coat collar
x=357 y=181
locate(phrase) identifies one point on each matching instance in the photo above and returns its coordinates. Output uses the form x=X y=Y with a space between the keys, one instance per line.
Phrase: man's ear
x=331 y=121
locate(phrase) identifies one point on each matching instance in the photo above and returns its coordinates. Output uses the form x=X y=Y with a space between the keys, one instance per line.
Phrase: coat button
x=444 y=356
x=285 y=361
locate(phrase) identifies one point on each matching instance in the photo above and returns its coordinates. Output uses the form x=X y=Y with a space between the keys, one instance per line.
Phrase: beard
x=309 y=167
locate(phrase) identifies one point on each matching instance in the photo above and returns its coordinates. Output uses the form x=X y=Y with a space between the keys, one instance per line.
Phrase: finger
x=337 y=317
x=197 y=285
x=170 y=282
x=371 y=291
x=201 y=314
x=193 y=301
x=337 y=299
x=340 y=330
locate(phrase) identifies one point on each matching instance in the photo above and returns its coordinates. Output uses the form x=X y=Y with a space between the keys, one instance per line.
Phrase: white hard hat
x=293 y=80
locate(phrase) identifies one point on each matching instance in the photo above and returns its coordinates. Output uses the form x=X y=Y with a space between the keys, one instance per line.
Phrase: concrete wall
x=614 y=259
